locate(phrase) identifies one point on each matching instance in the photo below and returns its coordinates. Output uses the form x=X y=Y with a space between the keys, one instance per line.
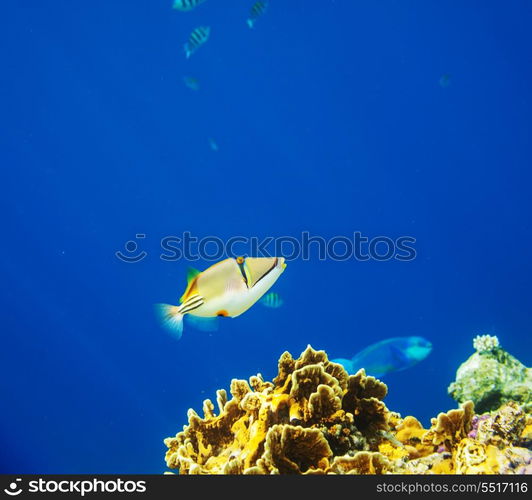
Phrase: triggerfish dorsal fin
x=192 y=274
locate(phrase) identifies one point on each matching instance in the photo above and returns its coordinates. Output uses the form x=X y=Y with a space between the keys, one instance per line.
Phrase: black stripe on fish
x=193 y=299
x=243 y=272
x=191 y=303
x=198 y=37
x=189 y=4
x=191 y=307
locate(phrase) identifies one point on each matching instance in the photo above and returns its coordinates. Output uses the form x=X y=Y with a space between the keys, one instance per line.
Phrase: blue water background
x=330 y=118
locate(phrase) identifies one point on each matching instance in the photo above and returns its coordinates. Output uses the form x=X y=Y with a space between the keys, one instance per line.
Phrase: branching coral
x=314 y=418
x=485 y=343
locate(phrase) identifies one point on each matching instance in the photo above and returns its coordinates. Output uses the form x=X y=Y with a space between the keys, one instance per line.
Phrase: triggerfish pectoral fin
x=170 y=318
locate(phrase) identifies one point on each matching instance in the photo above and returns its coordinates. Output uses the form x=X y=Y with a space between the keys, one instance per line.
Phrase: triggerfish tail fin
x=170 y=318
x=203 y=324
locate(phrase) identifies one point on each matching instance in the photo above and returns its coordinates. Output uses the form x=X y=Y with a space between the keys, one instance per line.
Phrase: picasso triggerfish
x=227 y=288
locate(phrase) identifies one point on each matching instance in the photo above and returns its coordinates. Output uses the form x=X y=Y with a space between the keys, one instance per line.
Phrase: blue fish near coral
x=387 y=356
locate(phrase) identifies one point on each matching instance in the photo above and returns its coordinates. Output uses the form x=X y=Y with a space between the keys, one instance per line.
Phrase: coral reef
x=492 y=443
x=491 y=377
x=314 y=418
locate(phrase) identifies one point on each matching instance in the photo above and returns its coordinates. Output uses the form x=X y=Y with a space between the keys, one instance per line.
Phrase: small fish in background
x=390 y=355
x=445 y=80
x=196 y=39
x=256 y=11
x=191 y=82
x=228 y=288
x=272 y=300
x=186 y=5
x=213 y=144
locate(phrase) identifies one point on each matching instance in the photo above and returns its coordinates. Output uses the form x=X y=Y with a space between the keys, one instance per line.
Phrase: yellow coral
x=287 y=426
x=449 y=428
x=526 y=435
x=314 y=418
x=445 y=466
x=411 y=433
x=294 y=450
x=393 y=452
x=363 y=462
x=472 y=457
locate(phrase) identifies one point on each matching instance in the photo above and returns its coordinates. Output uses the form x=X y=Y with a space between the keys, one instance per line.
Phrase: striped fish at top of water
x=257 y=10
x=186 y=5
x=196 y=39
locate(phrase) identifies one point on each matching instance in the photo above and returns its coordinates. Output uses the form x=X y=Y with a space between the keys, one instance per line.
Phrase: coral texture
x=485 y=343
x=314 y=418
x=491 y=377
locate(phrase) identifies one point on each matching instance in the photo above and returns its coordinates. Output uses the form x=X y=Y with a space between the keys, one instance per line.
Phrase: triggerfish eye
x=240 y=260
